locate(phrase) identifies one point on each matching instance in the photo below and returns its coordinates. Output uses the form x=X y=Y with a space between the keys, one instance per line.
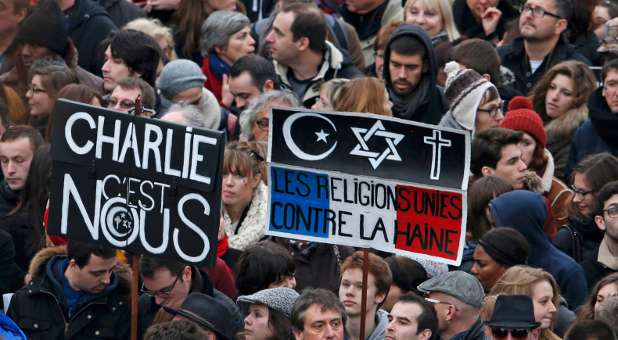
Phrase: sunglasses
x=516 y=333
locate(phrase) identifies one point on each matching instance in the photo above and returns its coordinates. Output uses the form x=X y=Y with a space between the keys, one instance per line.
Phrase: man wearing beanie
x=88 y=25
x=43 y=34
x=182 y=81
x=474 y=102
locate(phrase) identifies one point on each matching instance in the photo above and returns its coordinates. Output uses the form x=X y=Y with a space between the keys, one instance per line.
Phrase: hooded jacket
x=88 y=25
x=8 y=199
x=42 y=311
x=426 y=104
x=468 y=26
x=380 y=330
x=334 y=65
x=526 y=211
x=597 y=134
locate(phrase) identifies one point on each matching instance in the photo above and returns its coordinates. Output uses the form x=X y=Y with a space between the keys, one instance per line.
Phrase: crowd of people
x=533 y=82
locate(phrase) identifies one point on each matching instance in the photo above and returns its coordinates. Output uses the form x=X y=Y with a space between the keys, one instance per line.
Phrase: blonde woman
x=542 y=289
x=434 y=16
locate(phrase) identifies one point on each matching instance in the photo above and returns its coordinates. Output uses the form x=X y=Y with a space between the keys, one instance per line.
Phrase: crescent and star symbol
x=321 y=136
x=375 y=158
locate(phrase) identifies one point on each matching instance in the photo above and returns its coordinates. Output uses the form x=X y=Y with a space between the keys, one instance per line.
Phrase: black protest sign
x=388 y=148
x=137 y=184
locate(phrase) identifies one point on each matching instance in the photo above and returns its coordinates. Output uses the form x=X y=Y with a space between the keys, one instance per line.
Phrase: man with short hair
x=123 y=97
x=513 y=318
x=457 y=298
x=318 y=314
x=598 y=133
x=410 y=71
x=367 y=17
x=168 y=283
x=17 y=146
x=541 y=45
x=75 y=295
x=379 y=280
x=303 y=57
x=412 y=318
x=606 y=219
x=178 y=330
x=251 y=76
x=130 y=53
x=496 y=152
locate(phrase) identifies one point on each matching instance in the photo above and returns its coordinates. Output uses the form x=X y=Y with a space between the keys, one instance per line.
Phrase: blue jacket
x=526 y=211
x=9 y=330
x=596 y=135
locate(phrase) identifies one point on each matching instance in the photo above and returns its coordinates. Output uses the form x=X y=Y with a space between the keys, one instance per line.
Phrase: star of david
x=375 y=158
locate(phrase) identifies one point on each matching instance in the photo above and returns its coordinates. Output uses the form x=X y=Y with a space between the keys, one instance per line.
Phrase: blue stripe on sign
x=299 y=202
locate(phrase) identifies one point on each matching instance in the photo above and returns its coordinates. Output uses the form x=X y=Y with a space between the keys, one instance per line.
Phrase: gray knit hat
x=280 y=299
x=179 y=75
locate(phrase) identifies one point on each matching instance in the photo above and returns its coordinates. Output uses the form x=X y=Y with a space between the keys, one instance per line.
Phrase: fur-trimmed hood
x=565 y=125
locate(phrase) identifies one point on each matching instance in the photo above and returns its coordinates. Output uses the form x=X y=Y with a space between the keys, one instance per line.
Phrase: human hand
x=490 y=19
x=226 y=95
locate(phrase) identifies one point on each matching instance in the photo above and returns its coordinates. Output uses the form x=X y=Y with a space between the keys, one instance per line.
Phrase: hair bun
x=520 y=102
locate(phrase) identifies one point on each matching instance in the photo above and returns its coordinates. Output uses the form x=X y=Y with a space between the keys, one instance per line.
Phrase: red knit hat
x=521 y=117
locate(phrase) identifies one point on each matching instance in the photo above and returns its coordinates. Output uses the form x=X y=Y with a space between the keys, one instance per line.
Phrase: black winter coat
x=89 y=24
x=41 y=311
x=513 y=56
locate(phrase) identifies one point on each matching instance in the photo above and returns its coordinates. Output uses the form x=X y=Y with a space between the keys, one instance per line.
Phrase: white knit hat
x=464 y=91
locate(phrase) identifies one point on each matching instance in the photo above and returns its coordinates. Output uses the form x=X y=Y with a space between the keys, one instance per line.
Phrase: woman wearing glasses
x=45 y=80
x=474 y=102
x=563 y=106
x=580 y=237
x=244 y=194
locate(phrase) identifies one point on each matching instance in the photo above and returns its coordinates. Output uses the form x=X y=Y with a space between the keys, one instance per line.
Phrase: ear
x=600 y=222
x=487 y=76
x=424 y=335
x=303 y=43
x=21 y=15
x=187 y=274
x=219 y=50
x=561 y=26
x=73 y=264
x=269 y=85
x=380 y=297
x=298 y=335
x=487 y=171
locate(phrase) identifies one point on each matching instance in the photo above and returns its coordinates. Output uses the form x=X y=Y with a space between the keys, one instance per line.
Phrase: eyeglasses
x=262 y=123
x=580 y=192
x=162 y=293
x=612 y=211
x=516 y=333
x=538 y=12
x=436 y=302
x=125 y=104
x=493 y=112
x=36 y=90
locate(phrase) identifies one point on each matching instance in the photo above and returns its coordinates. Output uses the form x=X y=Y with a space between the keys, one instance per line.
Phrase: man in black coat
x=541 y=45
x=80 y=295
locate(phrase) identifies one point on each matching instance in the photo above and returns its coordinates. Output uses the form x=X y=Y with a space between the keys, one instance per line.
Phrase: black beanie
x=46 y=27
x=506 y=246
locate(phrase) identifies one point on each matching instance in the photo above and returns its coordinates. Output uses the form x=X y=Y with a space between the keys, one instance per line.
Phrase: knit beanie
x=521 y=117
x=464 y=92
x=46 y=27
x=506 y=246
x=179 y=75
x=280 y=299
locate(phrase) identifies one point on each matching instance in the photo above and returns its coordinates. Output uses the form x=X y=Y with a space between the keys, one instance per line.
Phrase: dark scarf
x=218 y=66
x=368 y=24
x=604 y=121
